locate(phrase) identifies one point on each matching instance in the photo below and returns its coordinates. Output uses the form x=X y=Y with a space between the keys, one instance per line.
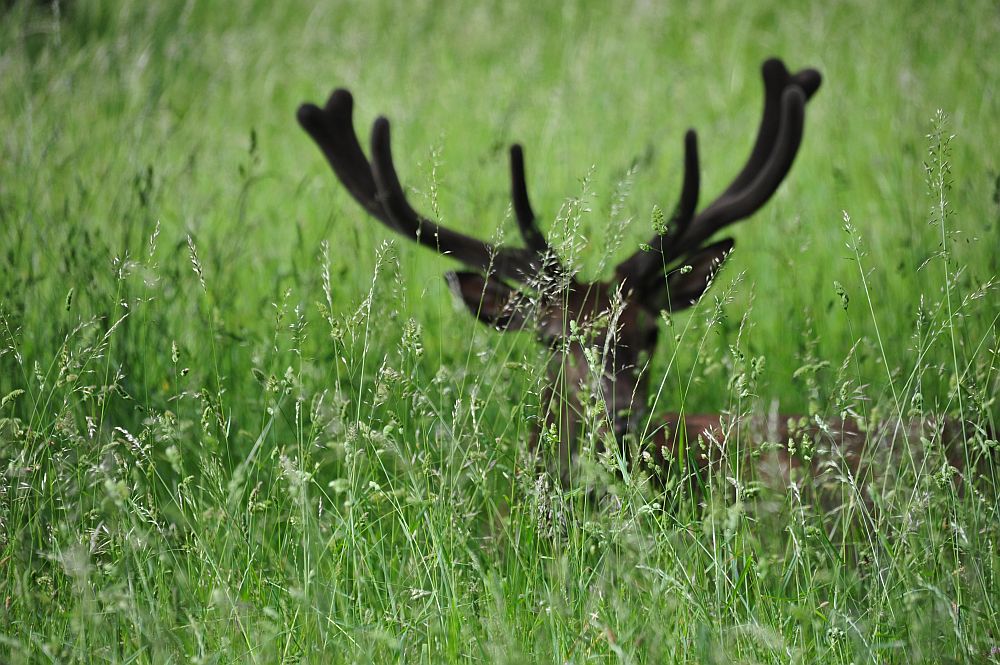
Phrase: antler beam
x=778 y=140
x=376 y=186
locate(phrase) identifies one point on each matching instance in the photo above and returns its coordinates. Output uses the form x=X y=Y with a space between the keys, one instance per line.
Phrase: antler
x=377 y=188
x=778 y=139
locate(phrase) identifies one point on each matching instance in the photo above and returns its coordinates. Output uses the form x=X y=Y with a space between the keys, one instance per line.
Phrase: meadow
x=240 y=421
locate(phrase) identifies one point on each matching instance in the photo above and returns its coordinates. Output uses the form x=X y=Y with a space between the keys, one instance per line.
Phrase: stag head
x=613 y=323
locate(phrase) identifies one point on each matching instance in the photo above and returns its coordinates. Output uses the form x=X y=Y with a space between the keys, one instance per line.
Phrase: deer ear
x=686 y=284
x=488 y=298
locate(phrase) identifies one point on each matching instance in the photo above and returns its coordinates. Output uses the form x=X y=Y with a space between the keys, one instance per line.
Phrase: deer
x=528 y=288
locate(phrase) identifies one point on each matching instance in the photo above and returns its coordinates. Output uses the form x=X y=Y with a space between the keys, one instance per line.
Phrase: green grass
x=224 y=440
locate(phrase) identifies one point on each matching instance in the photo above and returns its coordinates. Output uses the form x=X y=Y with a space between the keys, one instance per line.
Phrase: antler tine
x=688 y=202
x=375 y=186
x=743 y=203
x=332 y=128
x=776 y=80
x=512 y=263
x=809 y=80
x=642 y=262
x=777 y=142
x=526 y=220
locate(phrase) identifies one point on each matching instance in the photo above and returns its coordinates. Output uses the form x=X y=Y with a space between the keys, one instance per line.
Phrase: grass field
x=242 y=422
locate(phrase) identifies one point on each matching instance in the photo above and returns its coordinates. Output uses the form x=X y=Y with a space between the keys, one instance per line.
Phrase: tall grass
x=240 y=422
